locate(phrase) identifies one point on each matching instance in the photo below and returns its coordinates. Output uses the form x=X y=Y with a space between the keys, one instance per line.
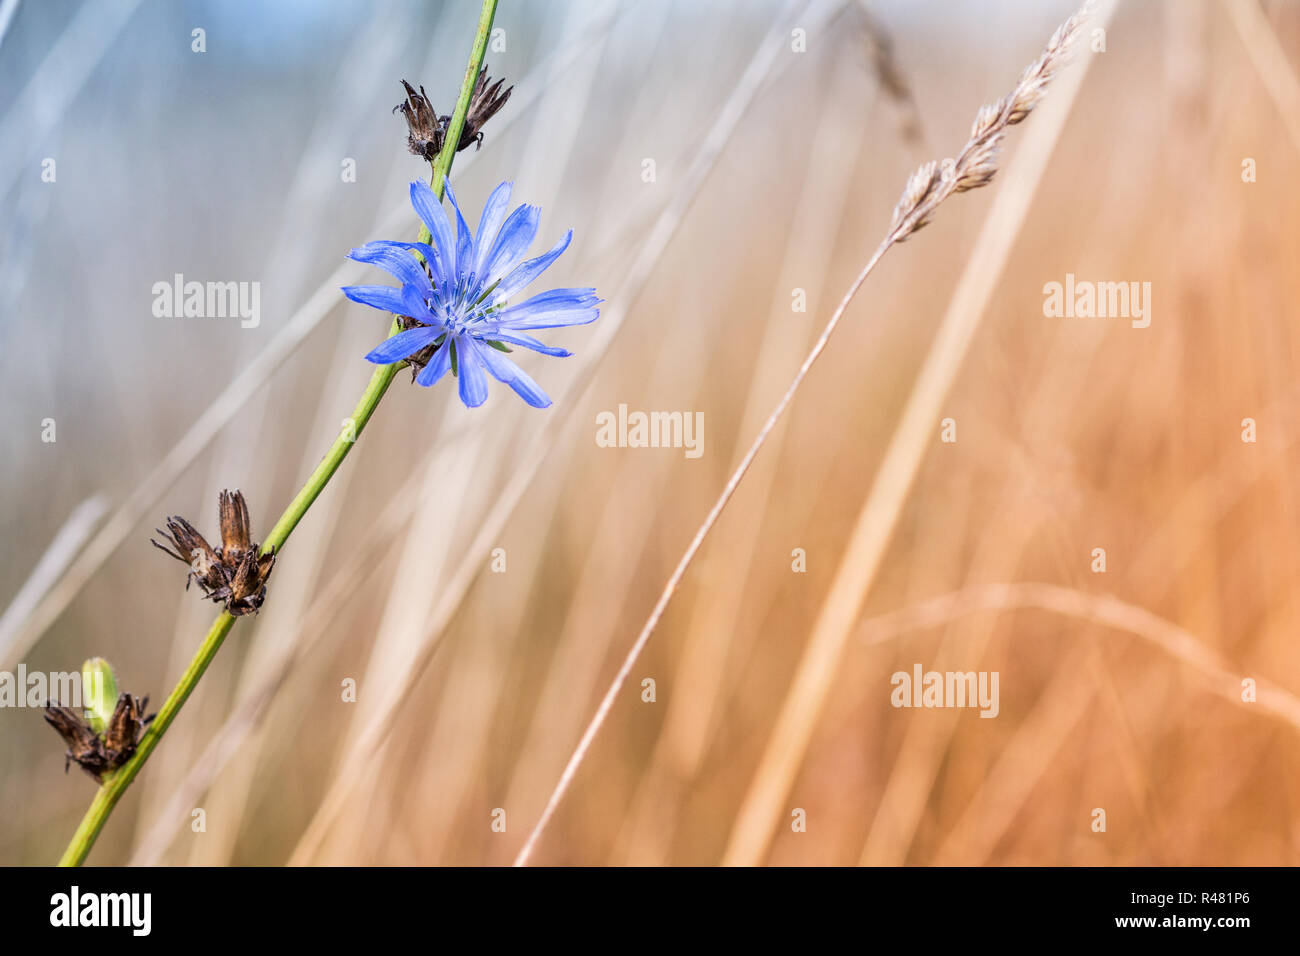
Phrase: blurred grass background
x=1072 y=433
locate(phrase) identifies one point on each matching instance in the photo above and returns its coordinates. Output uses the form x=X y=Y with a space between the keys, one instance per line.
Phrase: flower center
x=464 y=307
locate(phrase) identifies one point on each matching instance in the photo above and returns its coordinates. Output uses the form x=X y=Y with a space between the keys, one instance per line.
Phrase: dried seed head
x=1033 y=81
x=976 y=164
x=427 y=131
x=483 y=105
x=232 y=512
x=190 y=547
x=235 y=573
x=125 y=728
x=424 y=132
x=985 y=120
x=247 y=589
x=911 y=214
x=85 y=749
x=95 y=753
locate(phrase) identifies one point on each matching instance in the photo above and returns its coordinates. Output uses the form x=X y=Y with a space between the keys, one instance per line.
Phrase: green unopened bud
x=98 y=692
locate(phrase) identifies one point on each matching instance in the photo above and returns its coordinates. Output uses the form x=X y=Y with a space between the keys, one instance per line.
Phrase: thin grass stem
x=928 y=187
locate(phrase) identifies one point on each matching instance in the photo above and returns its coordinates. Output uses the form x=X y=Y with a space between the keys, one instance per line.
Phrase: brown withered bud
x=125 y=727
x=427 y=131
x=246 y=589
x=192 y=549
x=232 y=510
x=84 y=746
x=424 y=134
x=483 y=105
x=234 y=573
x=95 y=754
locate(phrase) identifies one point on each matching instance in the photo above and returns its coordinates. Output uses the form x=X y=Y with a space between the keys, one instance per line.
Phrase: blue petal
x=383 y=297
x=494 y=213
x=437 y=367
x=394 y=257
x=551 y=310
x=416 y=306
x=518 y=338
x=506 y=371
x=427 y=252
x=430 y=210
x=473 y=383
x=402 y=344
x=515 y=238
x=531 y=269
x=464 y=244
x=375 y=245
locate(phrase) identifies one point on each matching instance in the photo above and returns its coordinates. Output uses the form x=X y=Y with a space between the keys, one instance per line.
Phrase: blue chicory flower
x=456 y=312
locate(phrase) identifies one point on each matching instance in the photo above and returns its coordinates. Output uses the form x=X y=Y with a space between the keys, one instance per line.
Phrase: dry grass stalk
x=989 y=814
x=926 y=189
x=893 y=81
x=880 y=512
x=692 y=712
x=976 y=164
x=1209 y=666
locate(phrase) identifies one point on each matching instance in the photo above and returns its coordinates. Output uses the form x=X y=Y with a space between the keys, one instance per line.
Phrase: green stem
x=442 y=165
x=379 y=382
x=115 y=785
x=113 y=788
